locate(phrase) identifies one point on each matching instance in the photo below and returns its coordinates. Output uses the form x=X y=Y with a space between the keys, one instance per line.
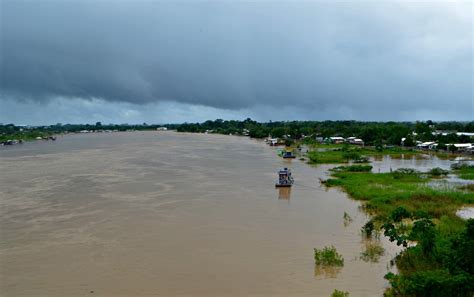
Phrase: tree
x=278 y=132
x=409 y=141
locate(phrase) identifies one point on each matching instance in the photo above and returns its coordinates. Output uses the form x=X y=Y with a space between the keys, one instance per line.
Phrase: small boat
x=284 y=178
x=288 y=155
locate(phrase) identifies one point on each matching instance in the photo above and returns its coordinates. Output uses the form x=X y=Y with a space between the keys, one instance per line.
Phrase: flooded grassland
x=168 y=214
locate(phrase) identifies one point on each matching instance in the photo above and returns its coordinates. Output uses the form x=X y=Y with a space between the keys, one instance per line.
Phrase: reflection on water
x=284 y=193
x=323 y=272
x=372 y=249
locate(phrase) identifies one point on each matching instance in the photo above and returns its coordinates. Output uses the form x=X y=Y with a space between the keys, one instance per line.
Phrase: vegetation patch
x=347 y=219
x=337 y=293
x=468 y=187
x=407 y=188
x=440 y=264
x=25 y=136
x=328 y=256
x=368 y=230
x=335 y=157
x=438 y=172
x=464 y=170
x=352 y=168
x=372 y=253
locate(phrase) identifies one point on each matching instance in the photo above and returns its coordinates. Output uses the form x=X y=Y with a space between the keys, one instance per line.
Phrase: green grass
x=334 y=157
x=328 y=256
x=343 y=153
x=384 y=192
x=352 y=168
x=337 y=293
x=466 y=172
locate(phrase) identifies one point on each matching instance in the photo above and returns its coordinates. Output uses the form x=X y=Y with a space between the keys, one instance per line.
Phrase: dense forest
x=371 y=132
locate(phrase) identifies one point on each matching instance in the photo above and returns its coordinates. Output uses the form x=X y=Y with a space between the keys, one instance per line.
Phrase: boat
x=288 y=154
x=284 y=178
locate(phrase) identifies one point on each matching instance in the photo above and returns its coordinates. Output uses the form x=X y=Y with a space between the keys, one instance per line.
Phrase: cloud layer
x=365 y=60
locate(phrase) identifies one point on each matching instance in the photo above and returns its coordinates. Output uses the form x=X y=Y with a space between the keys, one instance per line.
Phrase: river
x=173 y=214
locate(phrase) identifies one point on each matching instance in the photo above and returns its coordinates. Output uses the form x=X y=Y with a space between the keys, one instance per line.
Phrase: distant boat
x=288 y=155
x=284 y=178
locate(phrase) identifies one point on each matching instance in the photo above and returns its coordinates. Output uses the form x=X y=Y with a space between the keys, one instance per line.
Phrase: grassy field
x=339 y=154
x=384 y=192
x=465 y=172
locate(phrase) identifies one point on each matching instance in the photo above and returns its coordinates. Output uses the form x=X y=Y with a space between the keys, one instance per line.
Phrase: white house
x=426 y=145
x=337 y=139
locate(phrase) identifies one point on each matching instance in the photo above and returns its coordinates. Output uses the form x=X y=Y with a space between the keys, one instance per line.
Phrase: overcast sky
x=175 y=61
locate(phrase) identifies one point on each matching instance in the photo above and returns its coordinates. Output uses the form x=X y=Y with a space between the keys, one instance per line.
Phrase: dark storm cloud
x=398 y=57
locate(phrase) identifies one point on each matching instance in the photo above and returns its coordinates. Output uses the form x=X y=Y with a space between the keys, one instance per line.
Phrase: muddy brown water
x=168 y=214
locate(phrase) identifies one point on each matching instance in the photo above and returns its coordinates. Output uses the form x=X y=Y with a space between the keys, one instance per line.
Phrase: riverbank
x=406 y=208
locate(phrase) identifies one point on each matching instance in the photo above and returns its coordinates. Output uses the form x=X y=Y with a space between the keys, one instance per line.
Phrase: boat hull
x=283 y=185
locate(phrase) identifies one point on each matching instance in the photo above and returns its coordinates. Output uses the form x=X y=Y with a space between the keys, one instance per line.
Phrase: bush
x=338 y=293
x=328 y=256
x=399 y=214
x=403 y=172
x=461 y=165
x=368 y=228
x=353 y=168
x=372 y=253
x=438 y=171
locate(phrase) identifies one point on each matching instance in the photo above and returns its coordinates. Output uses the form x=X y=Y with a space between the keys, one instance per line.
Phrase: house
x=425 y=145
x=354 y=140
x=470 y=134
x=272 y=141
x=462 y=147
x=335 y=140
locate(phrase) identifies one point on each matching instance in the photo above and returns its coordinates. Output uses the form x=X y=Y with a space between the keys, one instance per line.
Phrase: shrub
x=438 y=171
x=461 y=165
x=399 y=214
x=328 y=256
x=372 y=253
x=401 y=172
x=353 y=168
x=338 y=293
x=368 y=228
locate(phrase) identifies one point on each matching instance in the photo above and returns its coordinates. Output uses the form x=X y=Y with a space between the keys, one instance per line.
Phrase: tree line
x=389 y=133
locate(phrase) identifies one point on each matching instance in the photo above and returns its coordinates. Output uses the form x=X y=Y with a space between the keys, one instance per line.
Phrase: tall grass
x=384 y=192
